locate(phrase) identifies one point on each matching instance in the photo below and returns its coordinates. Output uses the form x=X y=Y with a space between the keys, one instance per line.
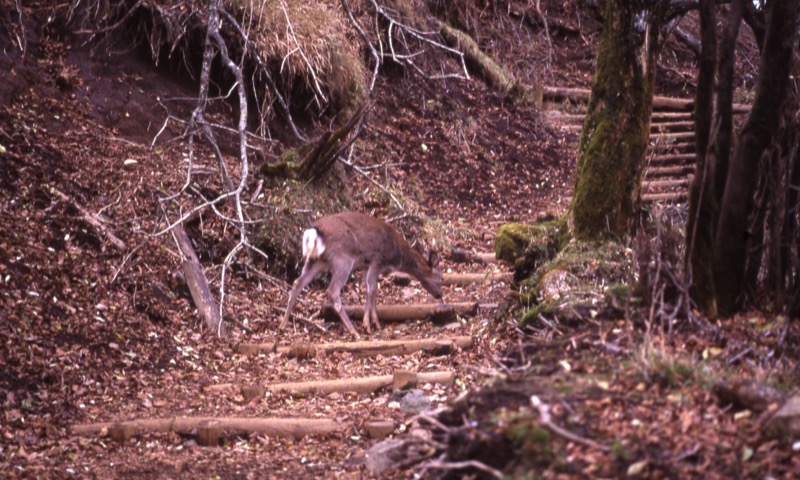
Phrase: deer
x=346 y=241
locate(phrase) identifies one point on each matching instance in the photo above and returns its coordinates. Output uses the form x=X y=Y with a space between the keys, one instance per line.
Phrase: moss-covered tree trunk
x=617 y=125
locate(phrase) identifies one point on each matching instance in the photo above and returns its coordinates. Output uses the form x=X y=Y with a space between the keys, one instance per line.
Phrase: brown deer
x=344 y=241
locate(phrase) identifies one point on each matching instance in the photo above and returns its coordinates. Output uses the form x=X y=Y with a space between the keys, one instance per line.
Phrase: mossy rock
x=528 y=246
x=583 y=279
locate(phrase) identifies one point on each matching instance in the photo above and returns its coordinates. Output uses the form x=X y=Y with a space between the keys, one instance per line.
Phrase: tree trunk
x=731 y=240
x=702 y=197
x=617 y=126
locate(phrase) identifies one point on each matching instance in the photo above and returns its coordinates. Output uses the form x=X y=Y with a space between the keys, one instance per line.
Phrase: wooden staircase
x=671 y=150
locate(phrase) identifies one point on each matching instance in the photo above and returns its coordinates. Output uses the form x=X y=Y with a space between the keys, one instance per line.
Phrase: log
x=369 y=348
x=673 y=157
x=410 y=311
x=280 y=427
x=357 y=385
x=659 y=102
x=671 y=116
x=404 y=380
x=672 y=126
x=466 y=279
x=667 y=171
x=496 y=76
x=672 y=136
x=208 y=433
x=665 y=197
x=196 y=280
x=466 y=256
x=656 y=184
x=555 y=116
x=379 y=429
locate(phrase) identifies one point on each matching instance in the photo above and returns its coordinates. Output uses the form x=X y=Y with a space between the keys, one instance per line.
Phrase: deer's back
x=360 y=236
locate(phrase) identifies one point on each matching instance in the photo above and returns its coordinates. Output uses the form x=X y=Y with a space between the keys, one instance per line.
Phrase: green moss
x=566 y=285
x=529 y=245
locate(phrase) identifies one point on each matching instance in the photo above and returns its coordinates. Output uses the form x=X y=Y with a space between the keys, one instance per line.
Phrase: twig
x=546 y=421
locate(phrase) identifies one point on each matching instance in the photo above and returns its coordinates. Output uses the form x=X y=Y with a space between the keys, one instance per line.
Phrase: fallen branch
x=368 y=348
x=196 y=280
x=280 y=427
x=361 y=385
x=547 y=422
x=92 y=220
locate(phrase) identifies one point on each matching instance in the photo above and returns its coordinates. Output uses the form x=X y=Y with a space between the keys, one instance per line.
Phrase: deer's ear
x=433 y=259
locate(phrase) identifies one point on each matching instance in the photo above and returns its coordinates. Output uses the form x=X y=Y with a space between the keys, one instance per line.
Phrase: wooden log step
x=279 y=427
x=672 y=126
x=668 y=136
x=665 y=197
x=659 y=102
x=366 y=348
x=466 y=279
x=673 y=157
x=466 y=256
x=661 y=184
x=665 y=147
x=407 y=311
x=556 y=116
x=360 y=385
x=665 y=171
x=671 y=116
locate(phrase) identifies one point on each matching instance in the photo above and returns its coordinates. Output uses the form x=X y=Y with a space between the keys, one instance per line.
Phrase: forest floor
x=93 y=331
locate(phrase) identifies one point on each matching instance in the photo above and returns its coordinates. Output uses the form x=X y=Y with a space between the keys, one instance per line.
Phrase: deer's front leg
x=339 y=276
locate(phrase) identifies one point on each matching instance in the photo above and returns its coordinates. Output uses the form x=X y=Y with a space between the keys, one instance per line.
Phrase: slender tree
x=731 y=238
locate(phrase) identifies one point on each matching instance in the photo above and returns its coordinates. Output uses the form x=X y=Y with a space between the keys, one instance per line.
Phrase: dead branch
x=424 y=37
x=92 y=219
x=547 y=422
x=688 y=40
x=196 y=281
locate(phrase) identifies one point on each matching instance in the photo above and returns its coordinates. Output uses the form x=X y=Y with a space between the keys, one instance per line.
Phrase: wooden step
x=406 y=311
x=683 y=126
x=672 y=158
x=668 y=171
x=662 y=184
x=365 y=348
x=658 y=117
x=669 y=136
x=665 y=197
